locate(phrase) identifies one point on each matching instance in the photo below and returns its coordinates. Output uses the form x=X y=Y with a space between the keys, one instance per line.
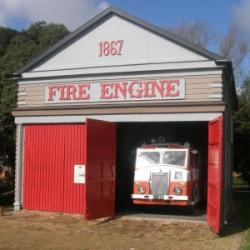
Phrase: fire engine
x=167 y=174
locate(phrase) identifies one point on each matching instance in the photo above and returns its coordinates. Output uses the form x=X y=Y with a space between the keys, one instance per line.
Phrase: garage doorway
x=207 y=137
x=51 y=149
x=130 y=136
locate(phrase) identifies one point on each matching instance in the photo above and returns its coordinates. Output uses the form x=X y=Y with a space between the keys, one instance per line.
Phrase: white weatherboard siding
x=197 y=87
x=139 y=46
x=179 y=117
x=142 y=75
x=119 y=69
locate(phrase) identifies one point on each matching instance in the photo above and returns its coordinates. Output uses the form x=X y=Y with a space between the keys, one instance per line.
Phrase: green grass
x=238 y=182
x=241 y=211
x=239 y=218
x=247 y=241
x=242 y=215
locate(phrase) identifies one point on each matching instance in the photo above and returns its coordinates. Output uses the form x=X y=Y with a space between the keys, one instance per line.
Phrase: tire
x=193 y=208
x=196 y=196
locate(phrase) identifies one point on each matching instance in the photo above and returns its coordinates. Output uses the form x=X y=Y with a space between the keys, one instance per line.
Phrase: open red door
x=215 y=151
x=100 y=169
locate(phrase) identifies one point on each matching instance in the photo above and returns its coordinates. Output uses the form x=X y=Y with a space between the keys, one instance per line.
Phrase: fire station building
x=87 y=103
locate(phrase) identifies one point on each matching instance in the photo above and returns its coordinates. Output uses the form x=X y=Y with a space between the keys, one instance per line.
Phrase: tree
x=18 y=49
x=234 y=45
x=46 y=35
x=197 y=32
x=5 y=37
x=242 y=133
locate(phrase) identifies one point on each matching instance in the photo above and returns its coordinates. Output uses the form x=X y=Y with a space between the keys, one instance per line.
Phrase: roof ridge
x=111 y=10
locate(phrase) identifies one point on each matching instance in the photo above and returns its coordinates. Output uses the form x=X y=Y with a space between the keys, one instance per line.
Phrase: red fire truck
x=167 y=174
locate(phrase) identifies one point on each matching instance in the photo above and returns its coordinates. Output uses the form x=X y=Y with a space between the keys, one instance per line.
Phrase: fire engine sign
x=116 y=91
x=79 y=173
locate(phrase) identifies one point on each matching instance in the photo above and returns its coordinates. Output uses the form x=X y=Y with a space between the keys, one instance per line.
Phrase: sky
x=19 y=14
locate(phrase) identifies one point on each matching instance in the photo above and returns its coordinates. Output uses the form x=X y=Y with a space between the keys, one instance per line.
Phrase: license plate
x=158 y=197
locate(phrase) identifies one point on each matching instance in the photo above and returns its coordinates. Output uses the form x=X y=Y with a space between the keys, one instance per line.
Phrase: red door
x=100 y=169
x=74 y=154
x=215 y=151
x=51 y=151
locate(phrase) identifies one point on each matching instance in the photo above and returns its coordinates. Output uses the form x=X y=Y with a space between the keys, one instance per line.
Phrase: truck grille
x=159 y=184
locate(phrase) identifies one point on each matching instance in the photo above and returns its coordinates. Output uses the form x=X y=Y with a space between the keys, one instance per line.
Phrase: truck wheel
x=196 y=196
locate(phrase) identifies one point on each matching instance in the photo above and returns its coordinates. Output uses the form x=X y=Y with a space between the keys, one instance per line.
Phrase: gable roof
x=107 y=13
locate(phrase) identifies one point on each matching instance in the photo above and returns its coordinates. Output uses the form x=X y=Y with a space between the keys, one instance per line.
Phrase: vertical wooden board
x=100 y=169
x=74 y=193
x=51 y=151
x=26 y=167
x=215 y=151
x=42 y=167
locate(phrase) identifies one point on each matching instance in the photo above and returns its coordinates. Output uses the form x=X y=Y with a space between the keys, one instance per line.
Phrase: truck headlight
x=177 y=190
x=178 y=176
x=141 y=190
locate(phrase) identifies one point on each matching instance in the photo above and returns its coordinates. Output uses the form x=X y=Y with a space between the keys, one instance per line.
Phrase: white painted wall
x=178 y=117
x=140 y=46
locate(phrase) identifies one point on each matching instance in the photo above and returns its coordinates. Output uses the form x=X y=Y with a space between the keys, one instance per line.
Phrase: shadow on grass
x=239 y=218
x=6 y=204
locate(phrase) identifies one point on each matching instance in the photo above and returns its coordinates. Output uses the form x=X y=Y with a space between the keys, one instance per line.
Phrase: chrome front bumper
x=164 y=197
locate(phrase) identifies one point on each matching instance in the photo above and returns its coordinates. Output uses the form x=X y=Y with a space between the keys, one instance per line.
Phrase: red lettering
x=135 y=93
x=70 y=92
x=62 y=92
x=83 y=91
x=106 y=91
x=159 y=87
x=52 y=93
x=120 y=88
x=108 y=48
x=173 y=88
x=148 y=89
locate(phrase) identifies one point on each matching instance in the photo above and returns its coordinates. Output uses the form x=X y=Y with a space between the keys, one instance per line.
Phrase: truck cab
x=166 y=174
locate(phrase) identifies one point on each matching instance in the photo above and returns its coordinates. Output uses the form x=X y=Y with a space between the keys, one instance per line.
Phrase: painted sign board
x=116 y=91
x=79 y=174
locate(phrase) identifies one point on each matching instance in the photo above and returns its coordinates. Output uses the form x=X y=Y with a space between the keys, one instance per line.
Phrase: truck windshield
x=176 y=158
x=145 y=159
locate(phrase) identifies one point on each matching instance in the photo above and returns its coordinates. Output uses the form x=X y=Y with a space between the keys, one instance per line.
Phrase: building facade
x=117 y=82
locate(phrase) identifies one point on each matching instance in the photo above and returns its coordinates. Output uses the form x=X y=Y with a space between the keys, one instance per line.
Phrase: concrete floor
x=162 y=212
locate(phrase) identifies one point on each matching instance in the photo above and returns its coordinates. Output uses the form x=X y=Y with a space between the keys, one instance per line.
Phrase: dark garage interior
x=130 y=136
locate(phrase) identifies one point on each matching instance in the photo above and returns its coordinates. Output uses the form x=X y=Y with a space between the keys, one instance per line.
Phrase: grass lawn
x=246 y=217
x=241 y=217
x=241 y=213
x=247 y=242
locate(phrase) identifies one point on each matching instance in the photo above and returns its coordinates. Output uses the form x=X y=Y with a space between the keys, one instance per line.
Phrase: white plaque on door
x=79 y=173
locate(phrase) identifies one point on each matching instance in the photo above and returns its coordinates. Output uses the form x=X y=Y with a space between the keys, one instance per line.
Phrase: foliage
x=16 y=49
x=234 y=45
x=197 y=32
x=239 y=219
x=5 y=36
x=242 y=134
x=238 y=183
